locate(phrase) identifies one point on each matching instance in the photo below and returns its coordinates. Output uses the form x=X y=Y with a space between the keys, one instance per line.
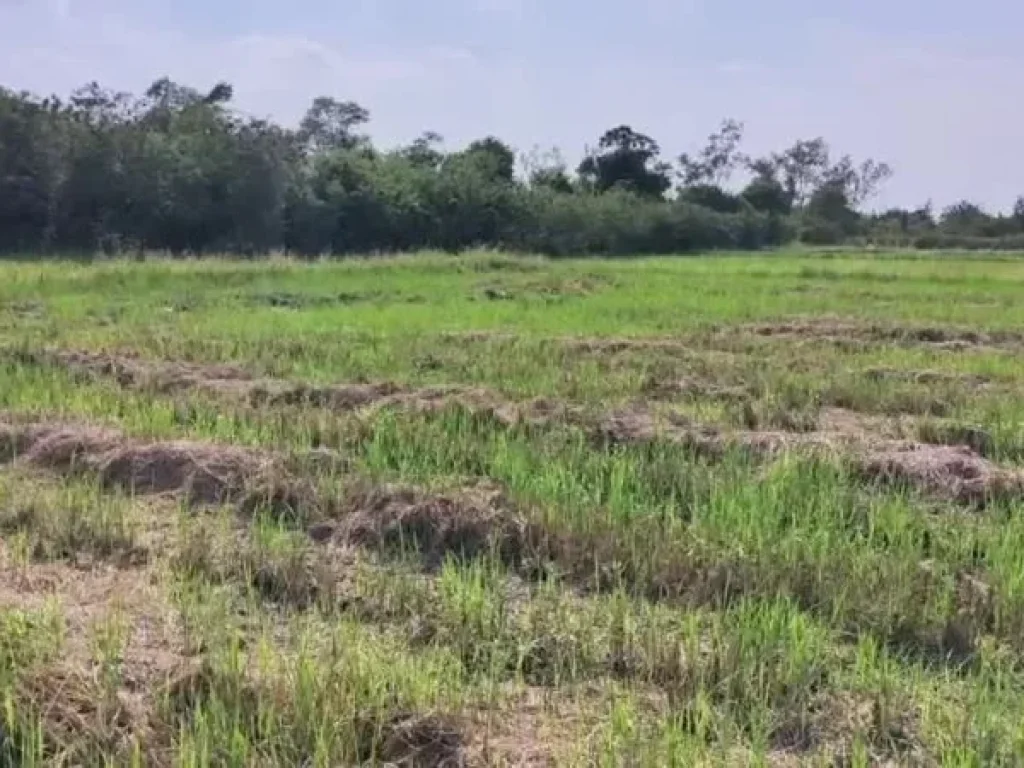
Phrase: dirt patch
x=614 y=346
x=382 y=396
x=474 y=522
x=422 y=741
x=204 y=473
x=132 y=372
x=79 y=712
x=286 y=300
x=549 y=289
x=855 y=427
x=78 y=718
x=233 y=383
x=89 y=595
x=836 y=429
x=469 y=523
x=829 y=726
x=534 y=726
x=695 y=387
x=213 y=474
x=603 y=346
x=827 y=329
x=639 y=425
x=25 y=309
x=926 y=378
x=950 y=472
x=974 y=437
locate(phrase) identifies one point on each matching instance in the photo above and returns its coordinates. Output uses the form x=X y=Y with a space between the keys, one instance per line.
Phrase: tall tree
x=1018 y=212
x=858 y=183
x=547 y=170
x=715 y=163
x=806 y=167
x=425 y=151
x=331 y=124
x=628 y=160
x=494 y=158
x=765 y=193
x=963 y=218
x=802 y=168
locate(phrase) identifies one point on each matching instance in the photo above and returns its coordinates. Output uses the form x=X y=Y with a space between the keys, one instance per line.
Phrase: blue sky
x=932 y=87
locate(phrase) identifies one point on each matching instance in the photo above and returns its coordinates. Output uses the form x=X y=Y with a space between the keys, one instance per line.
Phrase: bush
x=620 y=223
x=821 y=232
x=941 y=241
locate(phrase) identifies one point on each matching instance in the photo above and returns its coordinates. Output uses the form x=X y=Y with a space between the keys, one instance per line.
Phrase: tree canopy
x=179 y=169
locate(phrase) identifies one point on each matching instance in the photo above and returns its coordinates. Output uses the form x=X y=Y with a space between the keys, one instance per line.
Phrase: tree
x=330 y=124
x=221 y=93
x=494 y=158
x=547 y=170
x=806 y=167
x=425 y=151
x=857 y=183
x=963 y=218
x=766 y=194
x=803 y=167
x=717 y=160
x=831 y=203
x=628 y=160
x=712 y=196
x=32 y=146
x=1018 y=212
x=165 y=94
x=179 y=169
x=99 y=105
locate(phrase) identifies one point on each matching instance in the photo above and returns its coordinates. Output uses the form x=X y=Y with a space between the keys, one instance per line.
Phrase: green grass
x=666 y=608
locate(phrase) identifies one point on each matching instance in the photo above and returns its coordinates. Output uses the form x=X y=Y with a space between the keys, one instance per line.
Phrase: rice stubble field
x=497 y=510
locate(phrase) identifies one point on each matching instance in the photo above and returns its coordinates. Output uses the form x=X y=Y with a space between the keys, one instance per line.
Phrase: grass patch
x=299 y=579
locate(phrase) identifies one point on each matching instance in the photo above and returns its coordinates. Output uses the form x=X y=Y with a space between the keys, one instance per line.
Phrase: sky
x=933 y=87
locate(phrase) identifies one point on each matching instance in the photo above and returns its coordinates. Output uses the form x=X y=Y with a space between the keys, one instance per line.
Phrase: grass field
x=491 y=510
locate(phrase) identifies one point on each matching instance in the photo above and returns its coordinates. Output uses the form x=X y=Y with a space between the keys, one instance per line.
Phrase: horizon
x=915 y=86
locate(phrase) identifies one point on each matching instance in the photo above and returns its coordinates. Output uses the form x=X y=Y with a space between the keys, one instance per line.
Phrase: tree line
x=177 y=169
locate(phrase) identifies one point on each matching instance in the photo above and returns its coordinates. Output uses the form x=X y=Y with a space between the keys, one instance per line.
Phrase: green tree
x=425 y=151
x=766 y=193
x=495 y=159
x=331 y=124
x=715 y=163
x=1018 y=212
x=713 y=197
x=964 y=218
x=547 y=171
x=627 y=160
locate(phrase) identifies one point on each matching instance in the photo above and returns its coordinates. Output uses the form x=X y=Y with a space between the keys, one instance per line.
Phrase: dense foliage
x=178 y=170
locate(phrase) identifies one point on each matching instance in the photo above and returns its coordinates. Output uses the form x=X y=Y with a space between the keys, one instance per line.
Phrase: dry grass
x=648 y=522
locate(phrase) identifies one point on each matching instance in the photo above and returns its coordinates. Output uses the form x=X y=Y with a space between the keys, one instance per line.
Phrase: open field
x=439 y=511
